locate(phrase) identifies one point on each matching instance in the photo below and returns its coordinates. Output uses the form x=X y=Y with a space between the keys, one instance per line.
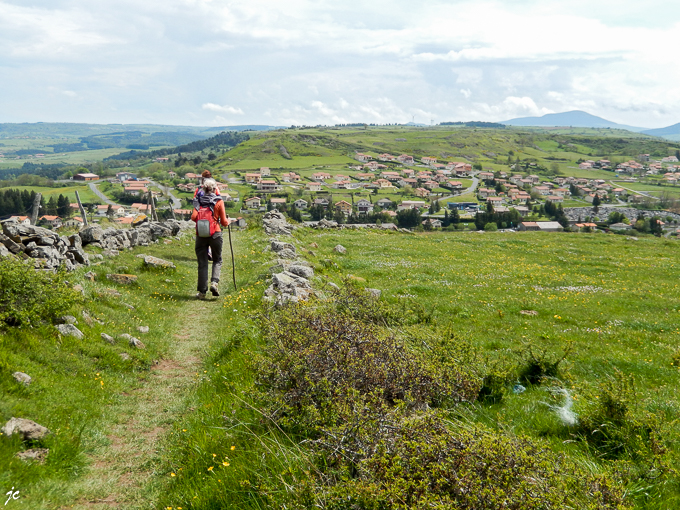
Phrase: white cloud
x=230 y=110
x=322 y=61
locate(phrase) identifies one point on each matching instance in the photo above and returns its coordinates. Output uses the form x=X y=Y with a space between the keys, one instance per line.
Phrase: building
x=540 y=226
x=344 y=207
x=405 y=159
x=85 y=177
x=301 y=203
x=411 y=204
x=264 y=171
x=364 y=206
x=314 y=186
x=253 y=202
x=51 y=221
x=22 y=220
x=268 y=186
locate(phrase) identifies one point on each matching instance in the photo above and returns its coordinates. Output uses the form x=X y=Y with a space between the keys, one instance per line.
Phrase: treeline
x=14 y=202
x=223 y=139
x=50 y=171
x=138 y=140
x=622 y=146
x=475 y=124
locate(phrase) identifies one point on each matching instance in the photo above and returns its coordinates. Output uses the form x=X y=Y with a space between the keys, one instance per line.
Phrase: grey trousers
x=215 y=244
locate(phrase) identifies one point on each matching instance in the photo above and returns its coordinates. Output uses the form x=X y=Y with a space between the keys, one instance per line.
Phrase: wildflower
x=225 y=464
x=233 y=448
x=210 y=468
x=173 y=474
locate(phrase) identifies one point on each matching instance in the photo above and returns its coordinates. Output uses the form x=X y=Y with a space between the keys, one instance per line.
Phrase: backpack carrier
x=206 y=225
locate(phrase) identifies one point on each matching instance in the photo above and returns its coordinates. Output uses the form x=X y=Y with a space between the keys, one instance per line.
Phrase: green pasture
x=86 y=195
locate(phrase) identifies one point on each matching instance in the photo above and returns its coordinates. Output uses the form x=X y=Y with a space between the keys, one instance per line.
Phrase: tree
x=317 y=212
x=408 y=218
x=51 y=208
x=109 y=211
x=63 y=207
x=596 y=201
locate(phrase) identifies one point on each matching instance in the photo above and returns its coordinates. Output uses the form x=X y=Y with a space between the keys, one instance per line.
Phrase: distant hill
x=576 y=118
x=670 y=132
x=69 y=129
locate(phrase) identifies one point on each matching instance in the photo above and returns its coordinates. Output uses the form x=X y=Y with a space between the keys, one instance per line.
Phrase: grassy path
x=121 y=473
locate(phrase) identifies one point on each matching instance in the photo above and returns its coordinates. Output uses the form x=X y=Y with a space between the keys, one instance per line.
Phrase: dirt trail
x=120 y=475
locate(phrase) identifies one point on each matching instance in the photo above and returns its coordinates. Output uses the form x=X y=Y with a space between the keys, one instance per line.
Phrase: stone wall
x=603 y=212
x=49 y=250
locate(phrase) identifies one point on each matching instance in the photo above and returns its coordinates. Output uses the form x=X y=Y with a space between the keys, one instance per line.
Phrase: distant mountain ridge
x=84 y=130
x=670 y=132
x=575 y=118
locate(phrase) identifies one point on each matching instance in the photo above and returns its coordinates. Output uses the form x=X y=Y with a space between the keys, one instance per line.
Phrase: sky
x=309 y=62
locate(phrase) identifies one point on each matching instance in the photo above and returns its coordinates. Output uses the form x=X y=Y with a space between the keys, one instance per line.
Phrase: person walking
x=208 y=214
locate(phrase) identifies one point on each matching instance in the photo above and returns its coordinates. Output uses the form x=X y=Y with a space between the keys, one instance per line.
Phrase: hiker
x=199 y=191
x=208 y=213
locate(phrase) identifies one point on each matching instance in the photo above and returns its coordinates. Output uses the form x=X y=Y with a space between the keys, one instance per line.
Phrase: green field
x=86 y=195
x=187 y=417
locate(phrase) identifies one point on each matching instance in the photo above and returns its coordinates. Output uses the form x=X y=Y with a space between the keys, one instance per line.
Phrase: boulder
x=143 y=329
x=70 y=330
x=304 y=271
x=108 y=339
x=340 y=249
x=287 y=254
x=27 y=429
x=91 y=234
x=123 y=279
x=376 y=293
x=136 y=343
x=68 y=319
x=155 y=262
x=124 y=356
x=22 y=378
x=278 y=246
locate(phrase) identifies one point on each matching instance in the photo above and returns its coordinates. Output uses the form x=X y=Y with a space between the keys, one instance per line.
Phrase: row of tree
x=14 y=202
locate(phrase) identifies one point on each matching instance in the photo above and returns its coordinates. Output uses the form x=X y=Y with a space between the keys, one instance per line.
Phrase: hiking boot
x=213 y=289
x=200 y=295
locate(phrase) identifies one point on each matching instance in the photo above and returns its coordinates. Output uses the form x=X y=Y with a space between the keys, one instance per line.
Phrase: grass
x=594 y=297
x=86 y=195
x=107 y=414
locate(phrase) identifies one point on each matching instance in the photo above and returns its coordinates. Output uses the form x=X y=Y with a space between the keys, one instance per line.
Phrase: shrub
x=384 y=459
x=536 y=366
x=318 y=359
x=491 y=227
x=29 y=296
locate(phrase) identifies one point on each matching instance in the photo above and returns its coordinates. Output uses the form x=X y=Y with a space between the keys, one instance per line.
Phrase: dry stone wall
x=49 y=250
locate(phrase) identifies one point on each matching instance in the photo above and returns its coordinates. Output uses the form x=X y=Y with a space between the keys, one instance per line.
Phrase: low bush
x=29 y=297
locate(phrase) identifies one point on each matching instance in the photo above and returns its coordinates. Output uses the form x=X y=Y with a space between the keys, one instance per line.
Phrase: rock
x=143 y=329
x=278 y=246
x=79 y=288
x=324 y=223
x=287 y=254
x=333 y=286
x=91 y=234
x=68 y=319
x=109 y=293
x=313 y=245
x=4 y=252
x=304 y=271
x=136 y=343
x=22 y=378
x=27 y=429
x=528 y=312
x=125 y=336
x=283 y=280
x=340 y=249
x=155 y=262
x=376 y=293
x=129 y=307
x=110 y=253
x=140 y=219
x=124 y=356
x=123 y=279
x=34 y=454
x=275 y=224
x=98 y=256
x=70 y=330
x=108 y=339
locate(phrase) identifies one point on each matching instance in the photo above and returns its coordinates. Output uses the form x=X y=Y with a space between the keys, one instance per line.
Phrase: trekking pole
x=233 y=264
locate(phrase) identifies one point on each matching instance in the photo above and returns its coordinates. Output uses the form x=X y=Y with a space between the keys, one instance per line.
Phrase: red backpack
x=206 y=225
